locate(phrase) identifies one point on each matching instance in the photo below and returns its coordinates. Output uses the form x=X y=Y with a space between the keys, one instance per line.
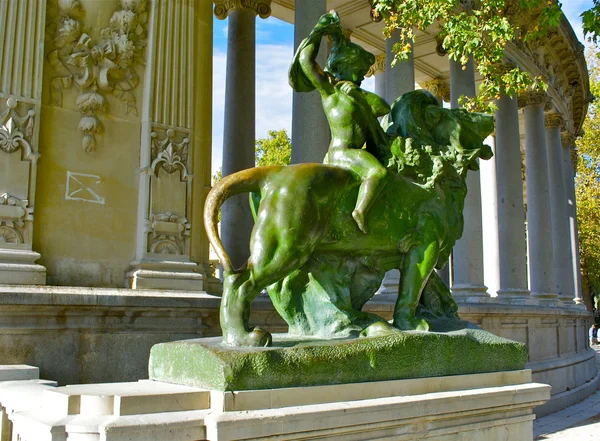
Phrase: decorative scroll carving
x=532 y=98
x=170 y=155
x=16 y=131
x=223 y=8
x=553 y=120
x=567 y=139
x=168 y=233
x=438 y=88
x=378 y=67
x=13 y=214
x=97 y=67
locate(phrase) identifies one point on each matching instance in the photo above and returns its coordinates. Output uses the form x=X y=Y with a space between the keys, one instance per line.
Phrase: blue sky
x=274 y=50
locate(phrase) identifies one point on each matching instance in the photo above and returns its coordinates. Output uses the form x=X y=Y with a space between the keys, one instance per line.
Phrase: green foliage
x=478 y=29
x=591 y=22
x=588 y=183
x=276 y=149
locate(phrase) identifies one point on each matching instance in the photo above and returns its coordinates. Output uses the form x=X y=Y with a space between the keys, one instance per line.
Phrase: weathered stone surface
x=207 y=363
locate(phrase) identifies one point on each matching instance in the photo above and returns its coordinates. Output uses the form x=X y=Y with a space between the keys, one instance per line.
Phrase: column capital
x=553 y=120
x=378 y=67
x=567 y=139
x=532 y=98
x=438 y=88
x=223 y=8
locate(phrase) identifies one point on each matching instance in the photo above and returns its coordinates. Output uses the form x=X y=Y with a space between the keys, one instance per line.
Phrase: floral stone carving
x=16 y=130
x=98 y=66
x=170 y=155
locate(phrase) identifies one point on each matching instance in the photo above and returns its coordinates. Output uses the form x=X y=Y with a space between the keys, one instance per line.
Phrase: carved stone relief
x=16 y=130
x=97 y=66
x=168 y=234
x=14 y=212
x=169 y=154
x=169 y=231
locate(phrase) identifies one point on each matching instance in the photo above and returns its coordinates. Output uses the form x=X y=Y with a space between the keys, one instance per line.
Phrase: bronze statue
x=407 y=183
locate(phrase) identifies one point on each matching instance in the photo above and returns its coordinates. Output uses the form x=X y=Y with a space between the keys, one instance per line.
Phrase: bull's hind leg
x=415 y=270
x=270 y=262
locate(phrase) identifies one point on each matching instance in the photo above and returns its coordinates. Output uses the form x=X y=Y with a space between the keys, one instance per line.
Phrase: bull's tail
x=245 y=181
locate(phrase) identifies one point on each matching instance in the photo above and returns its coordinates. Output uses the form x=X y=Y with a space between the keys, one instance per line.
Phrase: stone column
x=400 y=78
x=310 y=130
x=489 y=215
x=568 y=176
x=561 y=246
x=512 y=254
x=539 y=222
x=378 y=70
x=175 y=150
x=467 y=256
x=239 y=131
x=22 y=26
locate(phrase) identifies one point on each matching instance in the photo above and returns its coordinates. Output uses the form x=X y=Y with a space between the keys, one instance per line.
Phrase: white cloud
x=572 y=10
x=273 y=94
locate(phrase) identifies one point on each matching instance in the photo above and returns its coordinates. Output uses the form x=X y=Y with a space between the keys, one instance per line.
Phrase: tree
x=588 y=182
x=473 y=28
x=276 y=149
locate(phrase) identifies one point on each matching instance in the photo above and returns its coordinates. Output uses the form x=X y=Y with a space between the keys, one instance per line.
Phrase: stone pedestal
x=496 y=406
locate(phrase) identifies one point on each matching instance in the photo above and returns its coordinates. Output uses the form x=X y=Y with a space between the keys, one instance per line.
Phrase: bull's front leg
x=415 y=270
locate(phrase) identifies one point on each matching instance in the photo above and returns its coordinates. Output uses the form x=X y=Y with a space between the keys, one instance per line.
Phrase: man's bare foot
x=359 y=218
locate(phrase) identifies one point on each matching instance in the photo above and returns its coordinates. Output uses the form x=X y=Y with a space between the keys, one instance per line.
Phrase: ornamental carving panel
x=97 y=66
x=16 y=129
x=170 y=155
x=15 y=213
x=169 y=234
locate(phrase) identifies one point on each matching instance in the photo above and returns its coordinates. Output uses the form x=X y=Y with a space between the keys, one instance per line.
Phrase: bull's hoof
x=411 y=324
x=257 y=338
x=379 y=329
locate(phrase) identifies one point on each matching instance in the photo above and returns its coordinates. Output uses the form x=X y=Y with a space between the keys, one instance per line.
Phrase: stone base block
x=495 y=406
x=172 y=275
x=17 y=372
x=18 y=267
x=290 y=363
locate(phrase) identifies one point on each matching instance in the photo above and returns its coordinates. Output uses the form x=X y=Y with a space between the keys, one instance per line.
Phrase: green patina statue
x=310 y=246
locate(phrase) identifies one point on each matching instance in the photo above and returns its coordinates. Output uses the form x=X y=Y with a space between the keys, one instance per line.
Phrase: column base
x=470 y=293
x=515 y=296
x=164 y=274
x=391 y=283
x=545 y=298
x=212 y=284
x=18 y=267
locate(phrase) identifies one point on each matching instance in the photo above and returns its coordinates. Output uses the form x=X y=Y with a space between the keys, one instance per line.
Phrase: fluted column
x=512 y=255
x=562 y=265
x=400 y=78
x=310 y=130
x=539 y=222
x=22 y=26
x=568 y=177
x=239 y=127
x=467 y=256
x=171 y=246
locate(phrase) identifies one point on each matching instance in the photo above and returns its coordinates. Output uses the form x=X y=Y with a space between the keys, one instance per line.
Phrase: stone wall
x=89 y=335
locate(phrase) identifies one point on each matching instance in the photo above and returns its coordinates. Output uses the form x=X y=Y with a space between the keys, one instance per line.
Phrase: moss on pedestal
x=291 y=363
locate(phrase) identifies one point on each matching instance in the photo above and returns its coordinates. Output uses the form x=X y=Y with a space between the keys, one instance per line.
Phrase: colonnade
x=531 y=243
